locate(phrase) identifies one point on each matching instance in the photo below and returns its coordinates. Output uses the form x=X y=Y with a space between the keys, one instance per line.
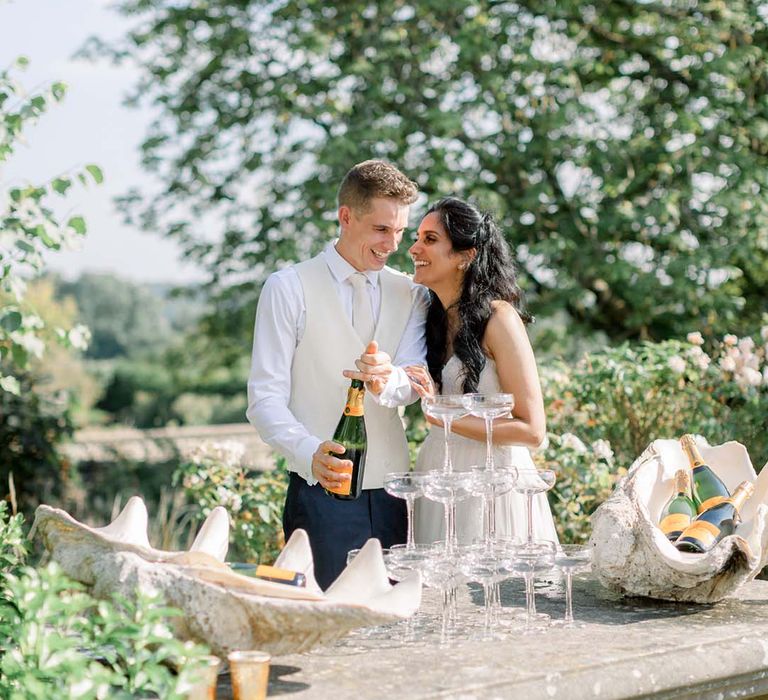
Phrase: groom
x=315 y=320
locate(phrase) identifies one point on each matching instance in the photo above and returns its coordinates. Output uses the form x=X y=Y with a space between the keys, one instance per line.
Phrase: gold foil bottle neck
x=691 y=449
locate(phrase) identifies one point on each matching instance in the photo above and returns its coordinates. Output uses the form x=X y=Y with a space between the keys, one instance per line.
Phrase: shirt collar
x=341 y=269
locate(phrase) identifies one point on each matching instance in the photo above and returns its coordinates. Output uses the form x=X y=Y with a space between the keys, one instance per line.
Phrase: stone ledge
x=628 y=648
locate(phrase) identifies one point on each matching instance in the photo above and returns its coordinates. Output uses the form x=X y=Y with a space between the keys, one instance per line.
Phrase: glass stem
x=447 y=514
x=409 y=545
x=489 y=443
x=452 y=523
x=530 y=601
x=446 y=613
x=492 y=517
x=529 y=513
x=487 y=601
x=568 y=598
x=447 y=464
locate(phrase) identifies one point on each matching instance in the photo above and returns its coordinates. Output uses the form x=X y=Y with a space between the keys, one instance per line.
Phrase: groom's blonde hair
x=375 y=178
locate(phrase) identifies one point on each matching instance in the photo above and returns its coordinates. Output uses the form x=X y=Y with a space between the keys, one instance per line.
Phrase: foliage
x=214 y=475
x=125 y=319
x=28 y=228
x=586 y=476
x=173 y=389
x=57 y=641
x=32 y=425
x=622 y=143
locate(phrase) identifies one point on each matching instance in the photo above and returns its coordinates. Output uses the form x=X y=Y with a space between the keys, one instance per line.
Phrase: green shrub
x=56 y=641
x=32 y=426
x=214 y=475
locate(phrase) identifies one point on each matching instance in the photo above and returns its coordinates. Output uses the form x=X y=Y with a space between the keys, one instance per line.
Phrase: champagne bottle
x=716 y=522
x=350 y=432
x=680 y=509
x=270 y=573
x=708 y=489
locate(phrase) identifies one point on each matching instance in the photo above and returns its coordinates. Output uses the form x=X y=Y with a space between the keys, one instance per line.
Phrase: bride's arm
x=506 y=340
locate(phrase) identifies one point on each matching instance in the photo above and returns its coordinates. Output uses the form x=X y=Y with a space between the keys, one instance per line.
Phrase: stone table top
x=626 y=648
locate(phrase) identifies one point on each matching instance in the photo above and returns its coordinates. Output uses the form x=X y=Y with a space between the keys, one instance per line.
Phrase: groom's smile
x=369 y=237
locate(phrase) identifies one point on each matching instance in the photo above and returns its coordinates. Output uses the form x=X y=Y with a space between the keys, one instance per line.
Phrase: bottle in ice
x=350 y=432
x=708 y=489
x=680 y=509
x=716 y=522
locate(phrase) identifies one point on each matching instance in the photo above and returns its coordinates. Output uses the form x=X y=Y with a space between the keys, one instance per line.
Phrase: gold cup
x=205 y=686
x=249 y=671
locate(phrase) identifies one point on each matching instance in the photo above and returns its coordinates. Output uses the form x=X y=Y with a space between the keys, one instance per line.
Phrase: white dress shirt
x=279 y=326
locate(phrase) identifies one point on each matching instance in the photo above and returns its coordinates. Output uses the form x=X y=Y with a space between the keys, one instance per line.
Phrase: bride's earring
x=462 y=266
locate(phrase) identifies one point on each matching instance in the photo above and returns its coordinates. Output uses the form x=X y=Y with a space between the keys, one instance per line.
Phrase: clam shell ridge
x=633 y=557
x=225 y=610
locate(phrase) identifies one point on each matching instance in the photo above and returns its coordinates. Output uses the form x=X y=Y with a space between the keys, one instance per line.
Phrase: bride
x=476 y=342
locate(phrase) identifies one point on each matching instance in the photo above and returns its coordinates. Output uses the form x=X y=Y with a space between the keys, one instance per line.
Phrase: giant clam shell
x=632 y=555
x=225 y=610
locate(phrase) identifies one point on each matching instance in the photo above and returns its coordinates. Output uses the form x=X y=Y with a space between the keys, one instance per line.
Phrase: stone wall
x=161 y=444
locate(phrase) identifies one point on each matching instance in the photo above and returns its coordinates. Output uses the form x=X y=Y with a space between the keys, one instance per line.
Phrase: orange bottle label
x=345 y=487
x=710 y=502
x=675 y=522
x=704 y=532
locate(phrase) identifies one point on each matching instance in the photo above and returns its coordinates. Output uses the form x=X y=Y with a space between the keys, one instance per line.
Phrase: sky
x=90 y=126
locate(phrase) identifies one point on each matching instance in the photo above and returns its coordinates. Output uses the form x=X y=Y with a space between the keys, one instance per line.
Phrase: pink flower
x=730 y=339
x=695 y=338
x=676 y=364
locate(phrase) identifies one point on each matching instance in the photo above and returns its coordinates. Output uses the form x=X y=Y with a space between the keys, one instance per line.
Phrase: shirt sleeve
x=412 y=350
x=277 y=330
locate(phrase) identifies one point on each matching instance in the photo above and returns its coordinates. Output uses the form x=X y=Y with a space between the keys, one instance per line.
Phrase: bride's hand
x=421 y=380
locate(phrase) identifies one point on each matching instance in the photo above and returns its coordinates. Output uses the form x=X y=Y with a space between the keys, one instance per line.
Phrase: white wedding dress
x=510 y=508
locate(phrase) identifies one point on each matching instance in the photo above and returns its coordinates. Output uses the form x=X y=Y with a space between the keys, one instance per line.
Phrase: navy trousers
x=334 y=526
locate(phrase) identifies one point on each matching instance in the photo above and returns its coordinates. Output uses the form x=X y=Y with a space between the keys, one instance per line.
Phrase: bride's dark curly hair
x=490 y=276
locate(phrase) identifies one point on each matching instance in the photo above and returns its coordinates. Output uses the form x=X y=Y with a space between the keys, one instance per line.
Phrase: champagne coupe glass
x=448 y=488
x=442 y=572
x=571 y=559
x=409 y=486
x=529 y=561
x=529 y=483
x=488 y=566
x=446 y=407
x=490 y=407
x=490 y=485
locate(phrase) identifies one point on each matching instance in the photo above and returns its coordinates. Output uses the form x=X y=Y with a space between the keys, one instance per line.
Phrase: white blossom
x=727 y=363
x=703 y=361
x=602 y=448
x=695 y=338
x=730 y=339
x=751 y=376
x=571 y=441
x=746 y=345
x=676 y=364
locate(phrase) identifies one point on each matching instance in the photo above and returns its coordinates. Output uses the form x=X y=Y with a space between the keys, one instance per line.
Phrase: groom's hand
x=330 y=471
x=374 y=367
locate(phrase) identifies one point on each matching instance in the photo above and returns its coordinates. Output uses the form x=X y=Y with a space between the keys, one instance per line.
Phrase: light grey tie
x=362 y=315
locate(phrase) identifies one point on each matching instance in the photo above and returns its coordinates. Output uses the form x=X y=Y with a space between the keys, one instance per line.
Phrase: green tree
x=28 y=227
x=125 y=319
x=32 y=421
x=622 y=143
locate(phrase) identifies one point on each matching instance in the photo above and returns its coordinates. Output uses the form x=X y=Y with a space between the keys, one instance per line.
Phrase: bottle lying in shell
x=269 y=573
x=350 y=432
x=716 y=522
x=708 y=489
x=680 y=510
